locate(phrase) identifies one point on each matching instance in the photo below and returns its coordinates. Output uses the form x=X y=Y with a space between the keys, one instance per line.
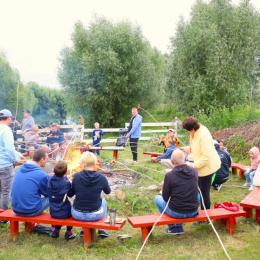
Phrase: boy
x=59 y=187
x=96 y=137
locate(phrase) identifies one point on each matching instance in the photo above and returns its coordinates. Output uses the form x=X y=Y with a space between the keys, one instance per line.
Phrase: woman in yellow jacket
x=206 y=159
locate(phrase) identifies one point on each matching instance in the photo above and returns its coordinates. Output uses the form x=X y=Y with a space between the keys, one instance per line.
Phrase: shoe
x=251 y=187
x=102 y=233
x=81 y=234
x=247 y=184
x=55 y=234
x=6 y=222
x=69 y=236
x=177 y=230
x=217 y=187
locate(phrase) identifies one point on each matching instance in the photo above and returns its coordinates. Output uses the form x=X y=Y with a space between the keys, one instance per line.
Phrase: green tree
x=109 y=69
x=213 y=60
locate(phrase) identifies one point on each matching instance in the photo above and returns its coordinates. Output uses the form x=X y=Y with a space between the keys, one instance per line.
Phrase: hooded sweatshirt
x=30 y=182
x=254 y=160
x=8 y=154
x=135 y=127
x=181 y=184
x=57 y=188
x=88 y=186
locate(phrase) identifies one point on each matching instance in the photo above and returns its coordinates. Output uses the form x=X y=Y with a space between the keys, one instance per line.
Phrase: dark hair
x=3 y=118
x=189 y=123
x=60 y=168
x=219 y=141
x=39 y=154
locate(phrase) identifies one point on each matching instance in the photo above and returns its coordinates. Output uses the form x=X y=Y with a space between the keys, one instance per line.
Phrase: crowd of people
x=190 y=169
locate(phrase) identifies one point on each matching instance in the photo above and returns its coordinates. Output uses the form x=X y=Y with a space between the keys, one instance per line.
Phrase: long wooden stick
x=65 y=196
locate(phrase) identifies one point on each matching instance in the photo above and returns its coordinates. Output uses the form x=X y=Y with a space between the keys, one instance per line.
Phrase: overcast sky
x=32 y=32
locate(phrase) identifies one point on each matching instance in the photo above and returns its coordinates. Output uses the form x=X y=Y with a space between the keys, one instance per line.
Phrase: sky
x=33 y=32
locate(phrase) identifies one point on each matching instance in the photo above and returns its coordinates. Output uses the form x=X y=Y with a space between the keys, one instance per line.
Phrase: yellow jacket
x=206 y=158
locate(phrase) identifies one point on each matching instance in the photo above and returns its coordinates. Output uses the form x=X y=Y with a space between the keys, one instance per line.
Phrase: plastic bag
x=232 y=206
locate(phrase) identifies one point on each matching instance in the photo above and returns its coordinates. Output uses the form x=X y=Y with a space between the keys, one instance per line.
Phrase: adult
x=165 y=159
x=206 y=159
x=29 y=185
x=221 y=145
x=222 y=174
x=26 y=125
x=88 y=186
x=8 y=157
x=134 y=132
x=180 y=187
x=14 y=131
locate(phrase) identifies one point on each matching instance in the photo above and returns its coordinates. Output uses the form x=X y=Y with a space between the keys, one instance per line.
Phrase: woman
x=206 y=159
x=88 y=185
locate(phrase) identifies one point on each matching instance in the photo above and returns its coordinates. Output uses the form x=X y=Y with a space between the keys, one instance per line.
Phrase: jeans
x=92 y=216
x=250 y=176
x=45 y=205
x=6 y=177
x=161 y=204
x=133 y=146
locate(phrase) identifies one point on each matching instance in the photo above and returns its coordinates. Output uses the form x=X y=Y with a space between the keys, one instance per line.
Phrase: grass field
x=197 y=242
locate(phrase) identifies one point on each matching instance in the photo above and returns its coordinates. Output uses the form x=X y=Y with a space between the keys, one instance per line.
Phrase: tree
x=213 y=60
x=109 y=69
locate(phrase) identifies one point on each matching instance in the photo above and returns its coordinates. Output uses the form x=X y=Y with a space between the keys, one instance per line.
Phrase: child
x=250 y=173
x=59 y=188
x=171 y=135
x=31 y=138
x=96 y=137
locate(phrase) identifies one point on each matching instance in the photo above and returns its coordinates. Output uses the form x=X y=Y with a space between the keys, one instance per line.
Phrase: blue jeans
x=45 y=205
x=93 y=216
x=6 y=177
x=161 y=204
x=249 y=176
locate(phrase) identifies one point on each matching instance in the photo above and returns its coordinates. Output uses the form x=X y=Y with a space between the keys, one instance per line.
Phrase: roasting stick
x=64 y=198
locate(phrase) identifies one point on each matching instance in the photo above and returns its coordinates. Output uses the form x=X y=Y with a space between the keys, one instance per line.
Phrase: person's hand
x=162 y=183
x=24 y=131
x=183 y=149
x=192 y=165
x=49 y=135
x=127 y=136
x=154 y=159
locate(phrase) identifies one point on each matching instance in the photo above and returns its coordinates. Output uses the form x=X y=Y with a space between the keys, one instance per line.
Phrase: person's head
x=170 y=141
x=35 y=129
x=134 y=111
x=60 y=168
x=254 y=152
x=190 y=123
x=6 y=117
x=40 y=156
x=54 y=127
x=26 y=113
x=171 y=133
x=220 y=143
x=88 y=159
x=46 y=148
x=96 y=125
x=178 y=157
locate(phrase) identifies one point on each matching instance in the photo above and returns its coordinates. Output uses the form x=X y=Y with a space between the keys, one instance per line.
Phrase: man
x=222 y=174
x=26 y=125
x=165 y=159
x=29 y=184
x=180 y=187
x=8 y=157
x=134 y=131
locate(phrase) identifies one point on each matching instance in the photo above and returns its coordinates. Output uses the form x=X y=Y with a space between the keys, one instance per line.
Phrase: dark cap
x=5 y=113
x=27 y=111
x=54 y=124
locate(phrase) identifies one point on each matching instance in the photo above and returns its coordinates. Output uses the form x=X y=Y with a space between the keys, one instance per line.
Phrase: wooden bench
x=45 y=218
x=241 y=167
x=153 y=154
x=146 y=222
x=250 y=202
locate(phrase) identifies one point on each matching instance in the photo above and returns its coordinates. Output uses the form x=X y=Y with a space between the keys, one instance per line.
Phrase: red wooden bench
x=241 y=167
x=250 y=202
x=146 y=222
x=153 y=154
x=45 y=218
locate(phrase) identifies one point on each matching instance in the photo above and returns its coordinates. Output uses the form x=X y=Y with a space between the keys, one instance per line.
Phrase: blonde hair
x=35 y=128
x=88 y=158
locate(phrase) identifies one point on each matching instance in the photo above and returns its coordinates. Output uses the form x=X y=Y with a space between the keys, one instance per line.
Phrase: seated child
x=59 y=189
x=31 y=138
x=250 y=173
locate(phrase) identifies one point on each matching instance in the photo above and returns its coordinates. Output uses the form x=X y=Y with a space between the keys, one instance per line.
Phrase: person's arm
x=106 y=187
x=43 y=185
x=166 y=191
x=101 y=132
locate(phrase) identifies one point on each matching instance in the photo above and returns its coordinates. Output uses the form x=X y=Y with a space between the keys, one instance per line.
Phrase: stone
x=152 y=187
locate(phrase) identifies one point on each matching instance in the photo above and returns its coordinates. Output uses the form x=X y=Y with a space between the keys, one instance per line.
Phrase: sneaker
x=6 y=222
x=251 y=187
x=178 y=230
x=247 y=184
x=102 y=233
x=55 y=234
x=219 y=187
x=81 y=234
x=69 y=236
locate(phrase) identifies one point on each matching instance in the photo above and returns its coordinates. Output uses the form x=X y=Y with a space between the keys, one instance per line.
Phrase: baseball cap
x=54 y=124
x=171 y=130
x=27 y=111
x=5 y=113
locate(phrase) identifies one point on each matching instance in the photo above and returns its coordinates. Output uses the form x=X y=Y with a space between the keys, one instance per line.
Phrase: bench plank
x=146 y=222
x=153 y=154
x=45 y=218
x=250 y=202
x=241 y=167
